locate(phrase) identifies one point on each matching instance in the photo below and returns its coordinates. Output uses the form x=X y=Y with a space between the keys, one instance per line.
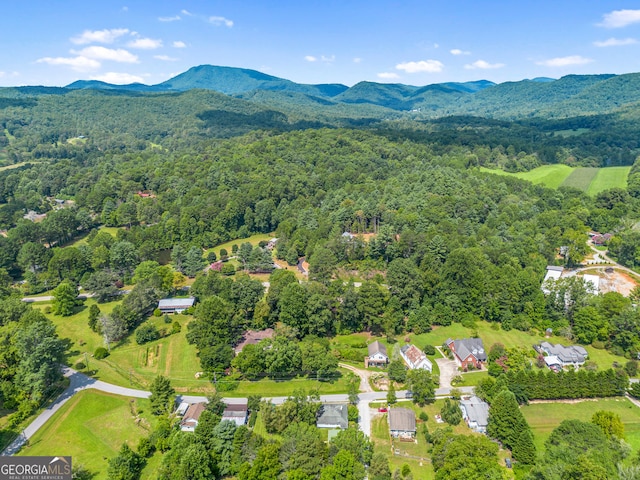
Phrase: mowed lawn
x=581 y=178
x=587 y=179
x=544 y=417
x=91 y=427
x=253 y=240
x=610 y=177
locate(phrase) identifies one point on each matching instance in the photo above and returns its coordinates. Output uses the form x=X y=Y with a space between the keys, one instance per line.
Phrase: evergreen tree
x=193 y=262
x=379 y=468
x=94 y=314
x=162 y=395
x=524 y=450
x=127 y=465
x=392 y=399
x=506 y=421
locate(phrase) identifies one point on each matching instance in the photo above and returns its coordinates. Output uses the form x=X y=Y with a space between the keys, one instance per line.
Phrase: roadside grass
x=253 y=240
x=544 y=417
x=91 y=427
x=268 y=388
x=610 y=177
x=581 y=178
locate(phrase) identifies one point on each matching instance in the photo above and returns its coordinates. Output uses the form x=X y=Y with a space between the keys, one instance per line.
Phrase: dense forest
x=430 y=241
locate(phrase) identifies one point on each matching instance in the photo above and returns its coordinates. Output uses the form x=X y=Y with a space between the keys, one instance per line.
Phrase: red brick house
x=468 y=352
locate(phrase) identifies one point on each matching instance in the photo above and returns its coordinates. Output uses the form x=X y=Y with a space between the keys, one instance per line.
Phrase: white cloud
x=457 y=51
x=483 y=65
x=388 y=75
x=310 y=58
x=145 y=43
x=118 y=78
x=219 y=21
x=169 y=19
x=330 y=59
x=357 y=60
x=165 y=58
x=186 y=12
x=102 y=53
x=79 y=64
x=620 y=18
x=179 y=44
x=565 y=61
x=430 y=66
x=99 y=36
x=616 y=42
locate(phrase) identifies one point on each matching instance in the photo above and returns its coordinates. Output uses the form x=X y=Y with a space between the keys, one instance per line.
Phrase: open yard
x=590 y=180
x=544 y=417
x=91 y=427
x=253 y=240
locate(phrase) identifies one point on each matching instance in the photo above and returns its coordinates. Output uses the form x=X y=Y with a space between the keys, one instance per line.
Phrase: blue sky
x=416 y=42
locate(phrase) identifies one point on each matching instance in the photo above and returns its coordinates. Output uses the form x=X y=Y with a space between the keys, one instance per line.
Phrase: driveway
x=364 y=375
x=448 y=370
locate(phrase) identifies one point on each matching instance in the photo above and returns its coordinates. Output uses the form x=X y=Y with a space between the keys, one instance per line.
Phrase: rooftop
x=377 y=347
x=477 y=410
x=402 y=419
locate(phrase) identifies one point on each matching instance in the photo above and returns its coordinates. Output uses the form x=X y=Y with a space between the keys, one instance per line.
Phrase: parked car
x=383 y=410
x=507 y=462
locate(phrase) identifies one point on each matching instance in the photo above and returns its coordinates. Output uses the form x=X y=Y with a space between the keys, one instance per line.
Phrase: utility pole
x=86 y=361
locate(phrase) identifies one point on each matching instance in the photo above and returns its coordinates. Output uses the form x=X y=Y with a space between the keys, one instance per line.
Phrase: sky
x=414 y=42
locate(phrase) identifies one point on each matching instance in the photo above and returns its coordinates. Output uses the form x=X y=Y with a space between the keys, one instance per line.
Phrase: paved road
x=80 y=381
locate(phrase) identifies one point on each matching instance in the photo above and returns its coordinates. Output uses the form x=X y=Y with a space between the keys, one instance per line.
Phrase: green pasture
x=544 y=417
x=91 y=427
x=590 y=180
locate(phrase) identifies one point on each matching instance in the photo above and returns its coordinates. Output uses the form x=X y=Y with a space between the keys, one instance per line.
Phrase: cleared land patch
x=610 y=177
x=587 y=179
x=544 y=417
x=91 y=427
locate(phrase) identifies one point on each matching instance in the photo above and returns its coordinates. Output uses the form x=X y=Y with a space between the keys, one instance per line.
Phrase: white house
x=377 y=355
x=191 y=417
x=553 y=274
x=564 y=356
x=475 y=412
x=415 y=358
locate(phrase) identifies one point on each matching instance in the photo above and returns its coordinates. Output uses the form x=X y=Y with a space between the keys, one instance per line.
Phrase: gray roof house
x=468 y=352
x=175 y=305
x=377 y=355
x=236 y=413
x=402 y=423
x=333 y=415
x=571 y=355
x=475 y=412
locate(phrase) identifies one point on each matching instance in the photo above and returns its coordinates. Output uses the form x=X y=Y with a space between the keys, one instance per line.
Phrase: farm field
x=545 y=416
x=590 y=180
x=91 y=427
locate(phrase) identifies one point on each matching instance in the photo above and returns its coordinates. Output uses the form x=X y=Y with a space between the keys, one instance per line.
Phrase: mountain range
x=569 y=96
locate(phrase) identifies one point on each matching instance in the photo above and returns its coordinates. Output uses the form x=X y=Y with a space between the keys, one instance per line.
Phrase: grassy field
x=590 y=180
x=253 y=240
x=551 y=176
x=544 y=417
x=610 y=177
x=581 y=178
x=91 y=427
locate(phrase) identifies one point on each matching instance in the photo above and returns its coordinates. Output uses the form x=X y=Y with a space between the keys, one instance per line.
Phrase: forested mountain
x=570 y=96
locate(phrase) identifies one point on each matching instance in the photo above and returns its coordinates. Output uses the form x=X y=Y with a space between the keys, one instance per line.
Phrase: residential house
x=333 y=415
x=415 y=358
x=191 y=417
x=271 y=244
x=252 y=337
x=553 y=274
x=182 y=409
x=402 y=423
x=475 y=412
x=592 y=283
x=572 y=355
x=377 y=355
x=468 y=352
x=175 y=305
x=237 y=413
x=600 y=239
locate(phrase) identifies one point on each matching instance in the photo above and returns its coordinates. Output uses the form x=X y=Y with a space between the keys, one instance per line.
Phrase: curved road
x=79 y=381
